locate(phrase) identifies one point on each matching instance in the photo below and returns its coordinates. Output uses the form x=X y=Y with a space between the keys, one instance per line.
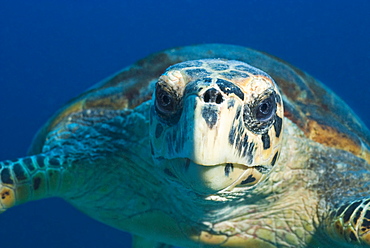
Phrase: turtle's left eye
x=266 y=109
x=260 y=115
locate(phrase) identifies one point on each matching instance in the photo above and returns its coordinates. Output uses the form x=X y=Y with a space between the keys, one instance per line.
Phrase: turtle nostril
x=219 y=98
x=206 y=96
x=213 y=96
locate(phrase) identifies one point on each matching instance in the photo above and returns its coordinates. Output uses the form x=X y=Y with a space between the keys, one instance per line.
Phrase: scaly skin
x=96 y=155
x=283 y=211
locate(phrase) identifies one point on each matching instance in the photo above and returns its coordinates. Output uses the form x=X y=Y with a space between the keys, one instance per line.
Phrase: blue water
x=50 y=51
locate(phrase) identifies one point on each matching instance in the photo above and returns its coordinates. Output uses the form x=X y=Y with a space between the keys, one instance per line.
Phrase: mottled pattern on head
x=216 y=124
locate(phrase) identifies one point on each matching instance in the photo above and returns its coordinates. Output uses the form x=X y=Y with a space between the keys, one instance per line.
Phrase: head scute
x=214 y=124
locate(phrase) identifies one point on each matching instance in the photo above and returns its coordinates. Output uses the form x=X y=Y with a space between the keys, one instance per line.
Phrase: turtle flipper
x=140 y=242
x=29 y=178
x=351 y=223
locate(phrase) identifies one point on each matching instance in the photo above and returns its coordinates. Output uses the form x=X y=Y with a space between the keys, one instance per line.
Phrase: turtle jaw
x=210 y=179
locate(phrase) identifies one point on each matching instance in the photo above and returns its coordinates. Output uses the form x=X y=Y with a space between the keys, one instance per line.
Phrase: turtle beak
x=213 y=138
x=209 y=131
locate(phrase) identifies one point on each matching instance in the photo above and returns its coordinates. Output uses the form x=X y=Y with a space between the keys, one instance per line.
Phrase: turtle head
x=216 y=124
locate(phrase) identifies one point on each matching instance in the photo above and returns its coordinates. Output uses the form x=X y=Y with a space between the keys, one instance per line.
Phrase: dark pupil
x=265 y=110
x=166 y=100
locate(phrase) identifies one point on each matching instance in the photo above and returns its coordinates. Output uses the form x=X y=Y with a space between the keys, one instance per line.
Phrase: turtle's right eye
x=165 y=102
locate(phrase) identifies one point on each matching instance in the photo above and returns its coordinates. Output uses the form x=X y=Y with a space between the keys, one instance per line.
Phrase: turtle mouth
x=208 y=179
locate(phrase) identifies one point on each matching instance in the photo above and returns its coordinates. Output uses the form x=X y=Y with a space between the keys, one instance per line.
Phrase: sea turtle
x=227 y=147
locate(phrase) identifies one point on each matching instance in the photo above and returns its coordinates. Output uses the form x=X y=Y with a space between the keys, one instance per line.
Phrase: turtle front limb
x=351 y=223
x=29 y=178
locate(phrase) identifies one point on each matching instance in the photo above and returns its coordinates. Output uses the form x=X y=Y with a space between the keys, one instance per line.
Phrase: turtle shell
x=315 y=109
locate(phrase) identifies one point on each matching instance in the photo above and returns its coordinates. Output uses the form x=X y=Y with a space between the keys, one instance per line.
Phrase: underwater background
x=51 y=51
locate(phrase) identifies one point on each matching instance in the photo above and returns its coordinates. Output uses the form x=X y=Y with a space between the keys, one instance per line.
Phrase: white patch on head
x=255 y=86
x=174 y=79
